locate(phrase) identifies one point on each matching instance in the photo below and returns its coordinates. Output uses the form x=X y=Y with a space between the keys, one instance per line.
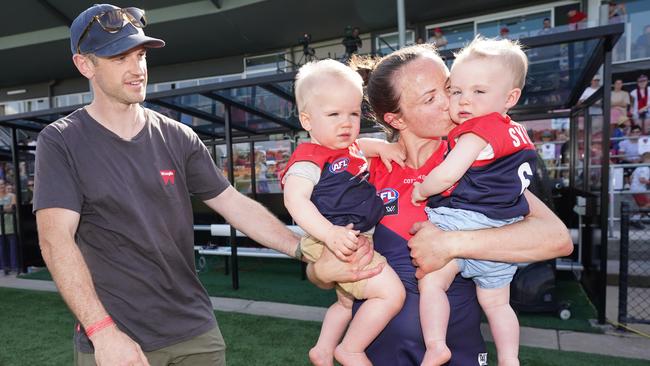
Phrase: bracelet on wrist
x=96 y=327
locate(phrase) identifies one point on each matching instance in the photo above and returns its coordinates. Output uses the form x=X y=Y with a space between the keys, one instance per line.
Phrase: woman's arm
x=540 y=236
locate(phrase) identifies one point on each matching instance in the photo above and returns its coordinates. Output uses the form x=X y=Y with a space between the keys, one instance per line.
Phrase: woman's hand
x=429 y=249
x=328 y=269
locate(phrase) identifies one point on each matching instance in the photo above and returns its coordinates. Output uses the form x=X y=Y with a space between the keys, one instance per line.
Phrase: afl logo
x=339 y=165
x=388 y=195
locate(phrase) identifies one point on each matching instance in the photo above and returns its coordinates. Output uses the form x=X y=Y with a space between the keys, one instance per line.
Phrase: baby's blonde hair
x=311 y=74
x=504 y=51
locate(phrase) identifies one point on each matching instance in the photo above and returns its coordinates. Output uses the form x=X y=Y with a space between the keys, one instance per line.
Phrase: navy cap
x=103 y=43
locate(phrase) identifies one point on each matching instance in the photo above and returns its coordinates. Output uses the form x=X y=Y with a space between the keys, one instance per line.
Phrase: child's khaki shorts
x=312 y=249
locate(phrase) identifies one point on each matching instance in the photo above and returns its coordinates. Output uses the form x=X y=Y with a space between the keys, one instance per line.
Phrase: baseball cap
x=642 y=77
x=103 y=43
x=437 y=30
x=505 y=30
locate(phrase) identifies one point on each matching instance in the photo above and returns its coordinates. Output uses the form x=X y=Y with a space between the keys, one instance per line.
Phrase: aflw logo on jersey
x=390 y=198
x=339 y=165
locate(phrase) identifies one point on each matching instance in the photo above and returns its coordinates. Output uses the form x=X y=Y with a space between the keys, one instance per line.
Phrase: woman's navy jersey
x=401 y=342
x=343 y=194
x=495 y=182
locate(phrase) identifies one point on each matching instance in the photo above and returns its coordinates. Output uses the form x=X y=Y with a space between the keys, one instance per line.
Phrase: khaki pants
x=207 y=349
x=312 y=249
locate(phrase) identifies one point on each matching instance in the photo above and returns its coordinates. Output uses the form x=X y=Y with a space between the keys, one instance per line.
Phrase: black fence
x=634 y=270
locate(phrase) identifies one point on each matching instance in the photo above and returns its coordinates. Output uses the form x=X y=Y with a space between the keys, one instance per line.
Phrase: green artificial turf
x=37 y=330
x=279 y=280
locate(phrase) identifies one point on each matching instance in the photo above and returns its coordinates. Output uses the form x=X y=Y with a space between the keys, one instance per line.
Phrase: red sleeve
x=492 y=128
x=305 y=152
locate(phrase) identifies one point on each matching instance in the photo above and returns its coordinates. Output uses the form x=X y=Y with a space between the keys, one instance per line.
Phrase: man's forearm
x=255 y=221
x=72 y=278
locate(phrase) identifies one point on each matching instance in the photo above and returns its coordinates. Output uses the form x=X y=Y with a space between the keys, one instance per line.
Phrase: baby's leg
x=434 y=313
x=503 y=323
x=336 y=320
x=385 y=296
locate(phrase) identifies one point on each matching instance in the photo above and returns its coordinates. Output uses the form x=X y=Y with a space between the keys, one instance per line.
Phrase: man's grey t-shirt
x=135 y=230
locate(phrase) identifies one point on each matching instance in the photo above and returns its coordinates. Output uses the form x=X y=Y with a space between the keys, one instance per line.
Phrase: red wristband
x=94 y=328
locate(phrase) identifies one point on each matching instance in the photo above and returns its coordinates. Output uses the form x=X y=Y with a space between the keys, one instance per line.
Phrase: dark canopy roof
x=561 y=66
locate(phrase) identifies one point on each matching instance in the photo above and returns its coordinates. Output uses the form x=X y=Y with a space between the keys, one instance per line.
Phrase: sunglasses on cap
x=112 y=21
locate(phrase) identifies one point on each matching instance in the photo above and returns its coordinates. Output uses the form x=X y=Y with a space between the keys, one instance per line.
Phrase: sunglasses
x=112 y=21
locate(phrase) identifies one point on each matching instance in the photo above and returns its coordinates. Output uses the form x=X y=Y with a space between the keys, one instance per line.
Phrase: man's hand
x=328 y=269
x=416 y=196
x=115 y=348
x=429 y=249
x=342 y=241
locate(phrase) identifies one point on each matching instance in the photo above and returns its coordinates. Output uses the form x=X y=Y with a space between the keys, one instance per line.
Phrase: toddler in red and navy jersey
x=479 y=185
x=327 y=193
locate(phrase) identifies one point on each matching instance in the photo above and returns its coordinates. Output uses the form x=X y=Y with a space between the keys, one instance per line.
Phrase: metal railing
x=634 y=268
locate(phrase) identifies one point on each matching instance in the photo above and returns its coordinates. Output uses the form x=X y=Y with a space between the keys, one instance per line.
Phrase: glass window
x=389 y=42
x=639 y=27
x=521 y=26
x=456 y=35
x=271 y=157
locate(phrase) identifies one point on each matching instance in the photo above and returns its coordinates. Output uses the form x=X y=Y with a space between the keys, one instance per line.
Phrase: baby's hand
x=392 y=152
x=416 y=196
x=342 y=241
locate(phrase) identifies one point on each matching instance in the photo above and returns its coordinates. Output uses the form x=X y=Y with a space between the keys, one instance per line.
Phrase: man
x=114 y=215
x=351 y=41
x=595 y=109
x=546 y=27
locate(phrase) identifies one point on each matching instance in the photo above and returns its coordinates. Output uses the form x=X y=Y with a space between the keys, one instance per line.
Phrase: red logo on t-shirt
x=167 y=176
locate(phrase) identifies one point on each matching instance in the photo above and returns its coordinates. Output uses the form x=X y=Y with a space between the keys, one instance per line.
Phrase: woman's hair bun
x=364 y=65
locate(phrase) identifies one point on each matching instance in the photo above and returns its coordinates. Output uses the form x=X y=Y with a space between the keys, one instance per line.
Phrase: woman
x=620 y=100
x=406 y=91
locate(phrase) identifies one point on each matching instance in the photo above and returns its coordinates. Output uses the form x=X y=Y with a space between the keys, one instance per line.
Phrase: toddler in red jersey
x=480 y=184
x=327 y=193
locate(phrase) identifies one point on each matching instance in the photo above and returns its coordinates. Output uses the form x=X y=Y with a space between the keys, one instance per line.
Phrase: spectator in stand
x=439 y=39
x=640 y=101
x=546 y=27
x=639 y=182
x=629 y=149
x=642 y=44
x=504 y=33
x=8 y=248
x=620 y=99
x=595 y=109
x=621 y=130
x=577 y=19
x=617 y=13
